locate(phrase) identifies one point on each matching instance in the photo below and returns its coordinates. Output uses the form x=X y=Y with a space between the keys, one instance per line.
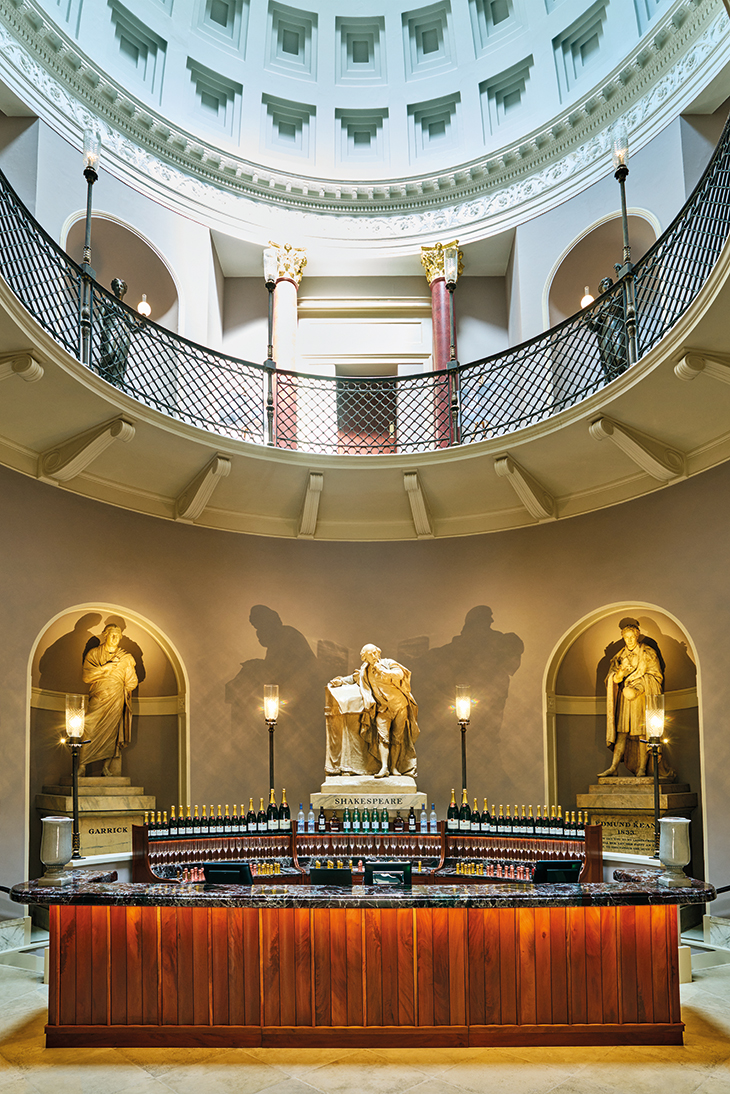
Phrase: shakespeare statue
x=387 y=715
x=111 y=676
x=635 y=672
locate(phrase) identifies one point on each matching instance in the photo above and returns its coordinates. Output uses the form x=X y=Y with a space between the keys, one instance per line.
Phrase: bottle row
x=543 y=825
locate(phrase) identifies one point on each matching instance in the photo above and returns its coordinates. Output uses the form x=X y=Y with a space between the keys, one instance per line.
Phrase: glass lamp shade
x=143 y=307
x=586 y=299
x=271 y=702
x=463 y=703
x=271 y=265
x=620 y=148
x=451 y=264
x=92 y=150
x=654 y=717
x=75 y=716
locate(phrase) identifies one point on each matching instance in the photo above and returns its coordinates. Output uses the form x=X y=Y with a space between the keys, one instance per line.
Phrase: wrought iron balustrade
x=364 y=416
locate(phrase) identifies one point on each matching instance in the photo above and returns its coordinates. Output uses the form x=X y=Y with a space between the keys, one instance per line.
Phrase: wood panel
x=526 y=971
x=373 y=968
x=543 y=968
x=424 y=966
x=100 y=986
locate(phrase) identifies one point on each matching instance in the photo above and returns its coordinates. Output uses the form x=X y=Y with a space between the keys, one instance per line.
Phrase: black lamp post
x=451 y=276
x=271 y=716
x=271 y=271
x=626 y=270
x=463 y=717
x=92 y=150
x=75 y=720
x=654 y=727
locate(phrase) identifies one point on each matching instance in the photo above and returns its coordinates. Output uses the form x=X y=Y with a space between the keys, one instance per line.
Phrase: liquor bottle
x=252 y=824
x=311 y=820
x=433 y=820
x=530 y=824
x=346 y=820
x=485 y=821
x=356 y=820
x=261 y=821
x=173 y=823
x=284 y=813
x=452 y=815
x=399 y=825
x=335 y=824
x=300 y=818
x=321 y=820
x=272 y=813
x=464 y=813
x=516 y=823
x=423 y=818
x=476 y=820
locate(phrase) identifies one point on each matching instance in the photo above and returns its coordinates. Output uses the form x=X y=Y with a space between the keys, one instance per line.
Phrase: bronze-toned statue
x=116 y=328
x=635 y=672
x=607 y=320
x=111 y=676
x=387 y=715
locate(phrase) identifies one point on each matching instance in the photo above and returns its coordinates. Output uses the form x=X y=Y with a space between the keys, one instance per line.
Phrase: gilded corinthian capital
x=290 y=261
x=432 y=260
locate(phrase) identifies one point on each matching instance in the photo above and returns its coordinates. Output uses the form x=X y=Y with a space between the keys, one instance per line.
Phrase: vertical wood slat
x=236 y=990
x=270 y=967
x=373 y=968
x=355 y=971
x=441 y=983
x=543 y=967
x=644 y=981
x=100 y=966
x=609 y=965
x=424 y=960
x=67 y=966
x=201 y=968
x=168 y=966
x=389 y=966
x=406 y=982
x=508 y=965
x=658 y=959
x=338 y=985
x=322 y=969
x=457 y=966
x=628 y=999
x=185 y=990
x=53 y=964
x=125 y=1003
x=287 y=968
x=476 y=966
x=559 y=964
x=251 y=991
x=83 y=943
x=577 y=965
x=492 y=962
x=303 y=966
x=527 y=998
x=594 y=986
x=672 y=964
x=220 y=1015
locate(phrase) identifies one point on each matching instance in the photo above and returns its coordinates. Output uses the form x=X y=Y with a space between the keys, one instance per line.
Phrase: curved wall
x=198 y=587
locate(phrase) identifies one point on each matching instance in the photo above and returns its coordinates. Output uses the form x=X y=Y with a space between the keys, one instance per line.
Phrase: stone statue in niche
x=110 y=673
x=635 y=672
x=371 y=718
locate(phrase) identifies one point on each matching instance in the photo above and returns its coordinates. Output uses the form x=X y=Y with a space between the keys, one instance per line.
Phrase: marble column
x=290 y=267
x=432 y=260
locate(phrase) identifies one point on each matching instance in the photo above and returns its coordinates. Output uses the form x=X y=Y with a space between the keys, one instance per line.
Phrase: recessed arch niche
x=590 y=258
x=575 y=706
x=119 y=251
x=158 y=755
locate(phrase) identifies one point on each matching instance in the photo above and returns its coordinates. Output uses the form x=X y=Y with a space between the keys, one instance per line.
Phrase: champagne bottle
x=219 y=824
x=173 y=823
x=523 y=823
x=582 y=822
x=508 y=823
x=235 y=822
x=227 y=823
x=164 y=831
x=485 y=821
x=321 y=820
x=560 y=824
x=476 y=820
x=501 y=827
x=452 y=815
x=187 y=830
x=284 y=813
x=464 y=813
x=252 y=823
x=196 y=823
x=261 y=821
x=272 y=813
x=530 y=824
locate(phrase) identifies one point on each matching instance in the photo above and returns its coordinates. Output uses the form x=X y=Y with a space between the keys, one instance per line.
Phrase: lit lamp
x=586 y=300
x=92 y=154
x=654 y=727
x=620 y=153
x=271 y=715
x=271 y=272
x=451 y=276
x=143 y=307
x=75 y=722
x=463 y=717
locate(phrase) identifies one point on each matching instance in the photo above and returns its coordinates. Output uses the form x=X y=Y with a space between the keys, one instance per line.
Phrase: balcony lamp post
x=451 y=276
x=271 y=272
x=626 y=271
x=654 y=726
x=92 y=152
x=463 y=717
x=271 y=716
x=75 y=722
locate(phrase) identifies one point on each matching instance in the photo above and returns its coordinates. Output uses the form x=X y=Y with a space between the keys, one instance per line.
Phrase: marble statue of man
x=389 y=717
x=111 y=676
x=635 y=673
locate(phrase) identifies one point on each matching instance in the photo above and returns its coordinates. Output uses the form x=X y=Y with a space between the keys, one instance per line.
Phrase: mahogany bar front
x=278 y=964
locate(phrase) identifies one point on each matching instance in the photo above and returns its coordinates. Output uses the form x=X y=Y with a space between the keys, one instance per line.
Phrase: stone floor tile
x=234 y=1073
x=298 y=1061
x=364 y=1072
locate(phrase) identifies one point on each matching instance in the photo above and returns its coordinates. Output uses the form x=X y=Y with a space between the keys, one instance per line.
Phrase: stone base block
x=106 y=833
x=14 y=932
x=375 y=794
x=62 y=804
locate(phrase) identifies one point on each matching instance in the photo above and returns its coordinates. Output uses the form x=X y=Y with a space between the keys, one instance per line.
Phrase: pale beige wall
x=198 y=586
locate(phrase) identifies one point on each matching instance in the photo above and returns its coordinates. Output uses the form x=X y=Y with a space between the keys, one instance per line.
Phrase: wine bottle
x=423 y=818
x=433 y=820
x=411 y=820
x=311 y=819
x=300 y=818
x=252 y=824
x=508 y=826
x=195 y=830
x=523 y=823
x=452 y=815
x=284 y=813
x=235 y=824
x=582 y=822
x=476 y=820
x=464 y=813
x=321 y=820
x=261 y=820
x=272 y=813
x=485 y=821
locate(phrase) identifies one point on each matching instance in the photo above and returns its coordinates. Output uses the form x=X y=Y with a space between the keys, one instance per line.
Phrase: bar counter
x=277 y=965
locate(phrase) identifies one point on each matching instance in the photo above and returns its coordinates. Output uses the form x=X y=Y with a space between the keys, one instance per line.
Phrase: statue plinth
x=394 y=792
x=624 y=807
x=108 y=807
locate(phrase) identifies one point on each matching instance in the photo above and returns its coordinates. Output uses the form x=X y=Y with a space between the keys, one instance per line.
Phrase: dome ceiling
x=406 y=121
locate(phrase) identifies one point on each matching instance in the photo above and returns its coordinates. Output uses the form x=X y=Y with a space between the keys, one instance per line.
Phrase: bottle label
x=465 y=826
x=452 y=824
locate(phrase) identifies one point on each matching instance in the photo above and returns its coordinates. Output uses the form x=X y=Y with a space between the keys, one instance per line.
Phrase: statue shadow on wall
x=60 y=665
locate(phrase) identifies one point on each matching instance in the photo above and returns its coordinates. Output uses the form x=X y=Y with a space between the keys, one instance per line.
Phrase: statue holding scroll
x=110 y=673
x=372 y=719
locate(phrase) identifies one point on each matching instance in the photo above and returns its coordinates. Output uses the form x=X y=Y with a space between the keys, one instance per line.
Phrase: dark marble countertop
x=629 y=888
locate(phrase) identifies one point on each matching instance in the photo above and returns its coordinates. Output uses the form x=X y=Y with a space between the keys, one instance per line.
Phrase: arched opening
x=155 y=765
x=590 y=258
x=118 y=251
x=575 y=706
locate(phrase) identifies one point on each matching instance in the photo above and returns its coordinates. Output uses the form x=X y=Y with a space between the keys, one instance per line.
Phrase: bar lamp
x=654 y=727
x=620 y=155
x=92 y=157
x=271 y=273
x=75 y=724
x=144 y=307
x=271 y=716
x=462 y=706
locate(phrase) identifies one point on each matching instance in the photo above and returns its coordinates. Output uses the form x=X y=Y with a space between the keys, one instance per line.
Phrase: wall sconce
x=271 y=716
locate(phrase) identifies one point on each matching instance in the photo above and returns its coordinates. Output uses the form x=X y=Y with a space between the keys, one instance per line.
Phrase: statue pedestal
x=108 y=807
x=624 y=807
x=396 y=792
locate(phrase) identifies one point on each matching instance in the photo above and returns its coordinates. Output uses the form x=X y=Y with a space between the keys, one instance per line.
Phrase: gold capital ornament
x=290 y=261
x=432 y=260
